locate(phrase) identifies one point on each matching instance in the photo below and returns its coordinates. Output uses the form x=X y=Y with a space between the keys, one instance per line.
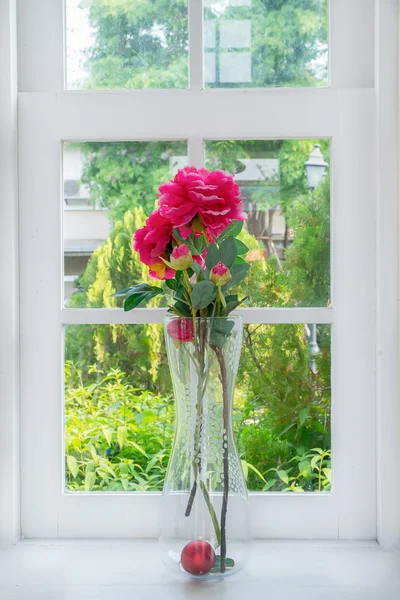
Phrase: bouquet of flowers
x=191 y=242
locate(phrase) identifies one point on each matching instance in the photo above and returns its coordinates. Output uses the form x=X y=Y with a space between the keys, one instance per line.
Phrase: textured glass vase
x=204 y=521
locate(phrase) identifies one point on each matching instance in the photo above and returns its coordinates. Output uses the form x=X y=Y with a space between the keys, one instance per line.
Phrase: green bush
x=118 y=437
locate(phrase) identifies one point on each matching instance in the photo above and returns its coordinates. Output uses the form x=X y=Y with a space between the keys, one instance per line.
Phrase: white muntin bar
x=101 y=316
x=195 y=8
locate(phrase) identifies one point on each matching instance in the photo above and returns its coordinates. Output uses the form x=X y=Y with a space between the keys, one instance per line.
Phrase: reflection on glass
x=126 y=44
x=288 y=225
x=119 y=408
x=254 y=43
x=109 y=188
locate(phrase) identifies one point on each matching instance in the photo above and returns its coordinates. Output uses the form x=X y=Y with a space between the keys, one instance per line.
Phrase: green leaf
x=189 y=242
x=136 y=289
x=230 y=306
x=199 y=244
x=228 y=252
x=121 y=435
x=239 y=260
x=257 y=472
x=217 y=339
x=197 y=268
x=240 y=247
x=172 y=284
x=182 y=309
x=232 y=230
x=303 y=415
x=269 y=485
x=134 y=300
x=238 y=273
x=203 y=294
x=220 y=332
x=328 y=474
x=315 y=461
x=145 y=295
x=223 y=326
x=212 y=257
x=90 y=480
x=108 y=435
x=178 y=236
x=121 y=293
x=245 y=468
x=73 y=465
x=283 y=476
x=286 y=429
x=138 y=448
x=229 y=563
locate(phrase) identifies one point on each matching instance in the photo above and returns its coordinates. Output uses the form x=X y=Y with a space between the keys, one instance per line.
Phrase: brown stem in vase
x=225 y=451
x=191 y=499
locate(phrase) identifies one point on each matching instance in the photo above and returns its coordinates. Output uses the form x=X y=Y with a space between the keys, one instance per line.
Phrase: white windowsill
x=119 y=570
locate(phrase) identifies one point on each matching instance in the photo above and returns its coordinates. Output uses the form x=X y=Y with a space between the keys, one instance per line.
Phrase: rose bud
x=180 y=330
x=181 y=258
x=220 y=274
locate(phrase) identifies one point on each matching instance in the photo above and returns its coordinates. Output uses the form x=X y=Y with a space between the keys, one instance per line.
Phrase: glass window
x=259 y=43
x=127 y=44
x=119 y=407
x=288 y=225
x=109 y=189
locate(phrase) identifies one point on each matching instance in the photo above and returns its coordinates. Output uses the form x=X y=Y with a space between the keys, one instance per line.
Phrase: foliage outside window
x=118 y=396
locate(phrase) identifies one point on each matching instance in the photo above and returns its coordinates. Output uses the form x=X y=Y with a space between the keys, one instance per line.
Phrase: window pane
x=109 y=189
x=127 y=44
x=288 y=225
x=119 y=407
x=265 y=43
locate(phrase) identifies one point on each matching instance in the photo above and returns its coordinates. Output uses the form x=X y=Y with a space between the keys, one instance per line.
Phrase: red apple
x=198 y=557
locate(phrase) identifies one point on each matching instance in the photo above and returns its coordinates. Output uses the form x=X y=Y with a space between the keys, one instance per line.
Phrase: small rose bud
x=181 y=258
x=220 y=274
x=180 y=330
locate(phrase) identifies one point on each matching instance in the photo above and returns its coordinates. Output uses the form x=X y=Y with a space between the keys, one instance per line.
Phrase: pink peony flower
x=152 y=241
x=213 y=196
x=220 y=274
x=180 y=330
x=181 y=258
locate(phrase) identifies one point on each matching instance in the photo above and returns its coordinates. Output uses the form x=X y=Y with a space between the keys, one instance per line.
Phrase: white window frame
x=359 y=118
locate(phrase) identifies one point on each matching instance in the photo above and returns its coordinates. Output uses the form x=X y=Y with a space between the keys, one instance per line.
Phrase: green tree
x=137 y=44
x=307 y=262
x=287 y=38
x=144 y=43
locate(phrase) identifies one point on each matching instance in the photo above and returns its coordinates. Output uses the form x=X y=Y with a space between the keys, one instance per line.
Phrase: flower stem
x=187 y=281
x=225 y=453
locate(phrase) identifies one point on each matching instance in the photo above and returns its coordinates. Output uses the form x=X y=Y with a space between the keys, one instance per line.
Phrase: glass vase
x=204 y=521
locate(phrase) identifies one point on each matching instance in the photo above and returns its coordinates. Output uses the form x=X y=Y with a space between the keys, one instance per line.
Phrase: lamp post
x=315 y=169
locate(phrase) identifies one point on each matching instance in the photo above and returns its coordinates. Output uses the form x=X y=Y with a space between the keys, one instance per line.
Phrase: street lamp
x=315 y=167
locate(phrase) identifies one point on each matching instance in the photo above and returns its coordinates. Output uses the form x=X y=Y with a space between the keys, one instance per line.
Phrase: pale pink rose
x=212 y=196
x=220 y=274
x=180 y=330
